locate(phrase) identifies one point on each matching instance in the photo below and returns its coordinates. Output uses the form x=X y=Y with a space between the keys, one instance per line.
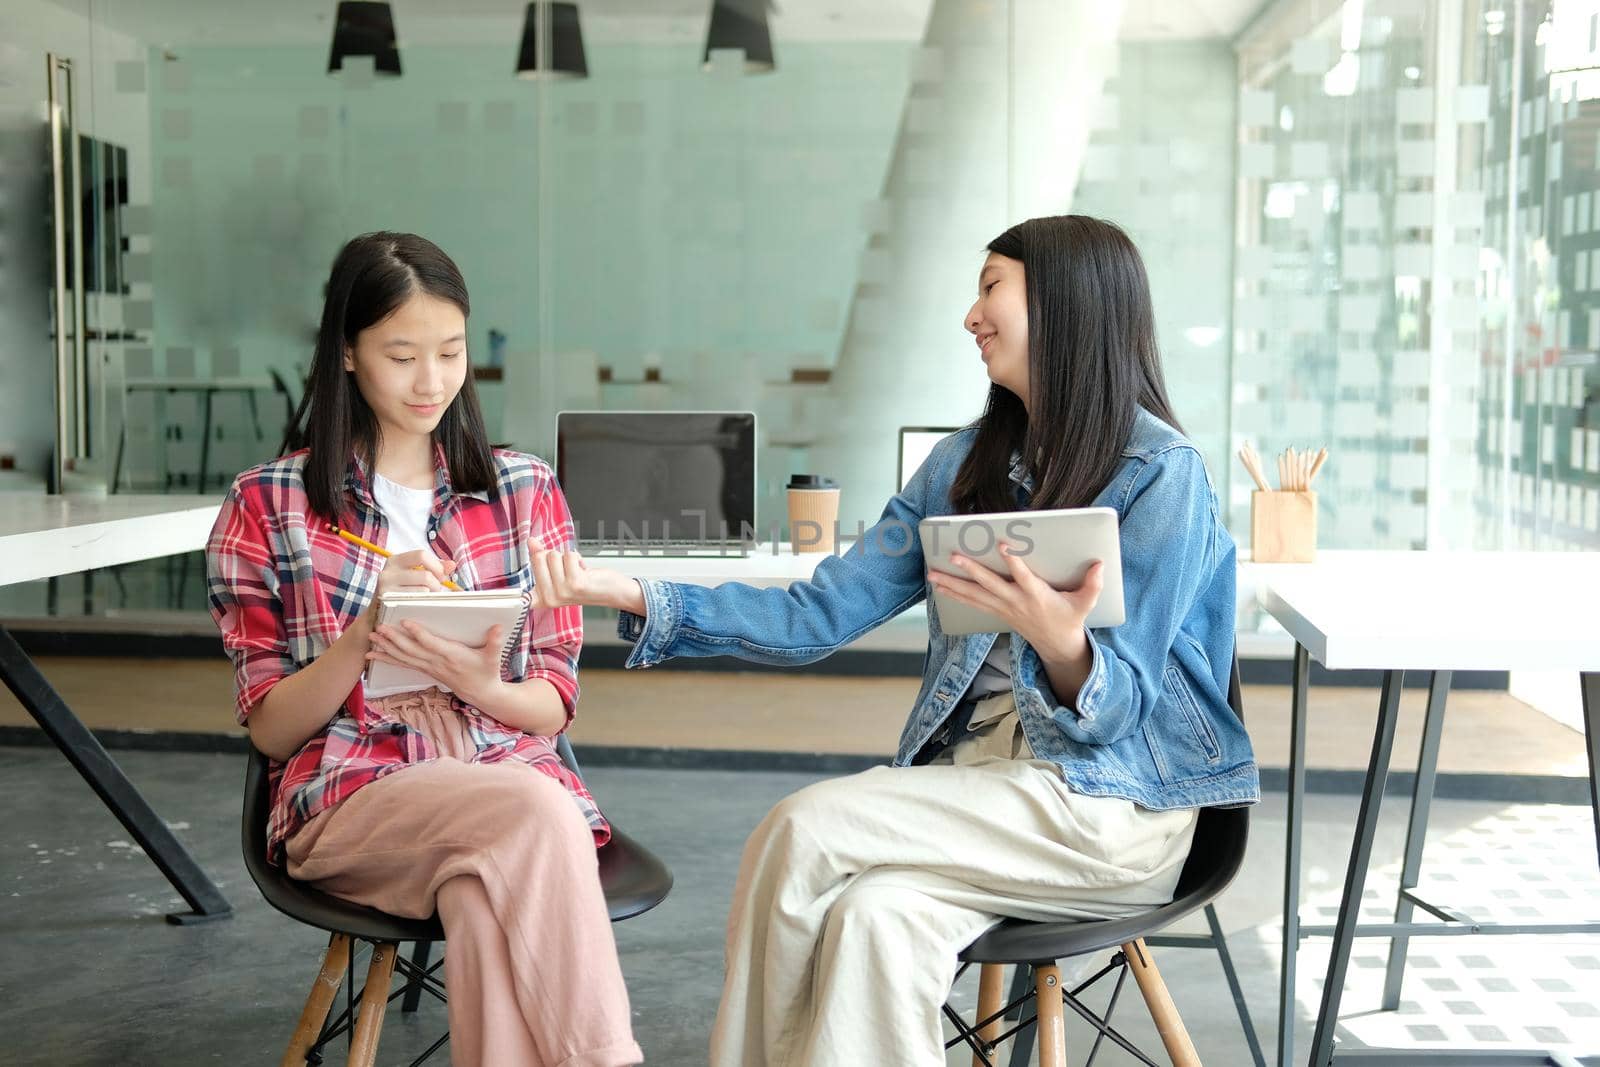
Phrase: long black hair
x=372 y=276
x=1092 y=363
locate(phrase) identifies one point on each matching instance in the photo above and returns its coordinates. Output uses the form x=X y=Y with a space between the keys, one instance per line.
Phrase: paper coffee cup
x=813 y=513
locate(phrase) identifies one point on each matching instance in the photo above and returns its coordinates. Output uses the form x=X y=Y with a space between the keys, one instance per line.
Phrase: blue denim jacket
x=1151 y=723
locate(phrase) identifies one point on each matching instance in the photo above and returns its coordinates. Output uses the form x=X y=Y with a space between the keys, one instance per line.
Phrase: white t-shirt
x=994 y=674
x=407 y=510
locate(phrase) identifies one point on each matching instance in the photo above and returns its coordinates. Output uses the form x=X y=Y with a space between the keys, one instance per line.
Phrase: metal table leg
x=1291 y=861
x=1344 y=932
x=167 y=434
x=119 y=795
x=205 y=440
x=1590 y=682
x=255 y=413
x=122 y=446
x=1416 y=832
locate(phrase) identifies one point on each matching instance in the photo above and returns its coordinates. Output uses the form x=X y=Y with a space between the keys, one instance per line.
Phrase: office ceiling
x=176 y=23
x=1144 y=20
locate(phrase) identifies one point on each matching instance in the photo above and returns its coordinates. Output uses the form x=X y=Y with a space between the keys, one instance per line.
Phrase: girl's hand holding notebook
x=455 y=640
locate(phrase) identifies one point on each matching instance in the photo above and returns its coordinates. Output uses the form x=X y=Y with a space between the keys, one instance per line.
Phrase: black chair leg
x=419 y=959
x=1245 y=1022
x=1021 y=982
x=1022 y=1044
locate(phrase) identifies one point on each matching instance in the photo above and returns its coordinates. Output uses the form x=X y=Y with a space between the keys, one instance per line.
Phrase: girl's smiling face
x=998 y=321
x=410 y=366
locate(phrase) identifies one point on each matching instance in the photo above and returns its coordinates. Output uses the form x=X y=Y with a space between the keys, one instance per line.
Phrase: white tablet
x=1058 y=546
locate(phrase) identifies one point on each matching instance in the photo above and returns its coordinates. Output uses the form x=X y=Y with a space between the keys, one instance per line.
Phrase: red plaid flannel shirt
x=283 y=588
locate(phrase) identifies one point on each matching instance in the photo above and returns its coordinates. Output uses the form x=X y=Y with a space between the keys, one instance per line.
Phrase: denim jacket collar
x=1019 y=471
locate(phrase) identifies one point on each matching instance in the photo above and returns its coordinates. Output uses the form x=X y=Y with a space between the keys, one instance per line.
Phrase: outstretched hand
x=562 y=578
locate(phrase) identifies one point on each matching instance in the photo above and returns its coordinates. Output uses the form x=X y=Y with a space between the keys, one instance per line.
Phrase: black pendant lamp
x=740 y=24
x=362 y=28
x=565 y=58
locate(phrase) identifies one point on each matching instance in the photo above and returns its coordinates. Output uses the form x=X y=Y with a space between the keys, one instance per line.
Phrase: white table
x=48 y=536
x=1435 y=612
x=767 y=565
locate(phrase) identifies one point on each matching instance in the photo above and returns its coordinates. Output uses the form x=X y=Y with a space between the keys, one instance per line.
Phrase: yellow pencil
x=370 y=547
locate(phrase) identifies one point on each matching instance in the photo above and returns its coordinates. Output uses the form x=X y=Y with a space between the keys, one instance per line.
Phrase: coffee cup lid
x=811 y=481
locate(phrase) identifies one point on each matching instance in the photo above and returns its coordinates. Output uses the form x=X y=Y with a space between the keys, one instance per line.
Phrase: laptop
x=680 y=483
x=915 y=444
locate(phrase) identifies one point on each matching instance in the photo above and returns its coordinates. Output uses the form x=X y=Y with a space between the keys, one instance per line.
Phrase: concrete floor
x=94 y=975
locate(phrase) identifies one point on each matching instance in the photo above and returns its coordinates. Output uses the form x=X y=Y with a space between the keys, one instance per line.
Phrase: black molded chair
x=1214 y=859
x=633 y=880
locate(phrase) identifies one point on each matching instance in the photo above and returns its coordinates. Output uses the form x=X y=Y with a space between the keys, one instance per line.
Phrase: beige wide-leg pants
x=855 y=895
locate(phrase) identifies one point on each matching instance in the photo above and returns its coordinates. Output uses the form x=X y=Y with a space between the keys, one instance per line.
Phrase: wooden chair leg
x=991 y=998
x=374 y=999
x=315 y=1012
x=1165 y=1013
x=1052 y=1025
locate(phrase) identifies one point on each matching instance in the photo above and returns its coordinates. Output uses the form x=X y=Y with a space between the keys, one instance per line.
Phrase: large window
x=1415 y=267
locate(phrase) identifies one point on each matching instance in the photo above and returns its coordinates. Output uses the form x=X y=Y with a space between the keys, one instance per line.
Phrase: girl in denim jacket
x=1052 y=772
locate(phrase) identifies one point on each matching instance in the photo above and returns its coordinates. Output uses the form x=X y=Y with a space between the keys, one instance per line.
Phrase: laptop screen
x=658 y=475
x=915 y=444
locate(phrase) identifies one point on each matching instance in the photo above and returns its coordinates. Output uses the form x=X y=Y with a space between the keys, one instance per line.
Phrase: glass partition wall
x=1415 y=269
x=1368 y=226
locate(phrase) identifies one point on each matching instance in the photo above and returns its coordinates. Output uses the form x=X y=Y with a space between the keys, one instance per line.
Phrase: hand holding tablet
x=1058 y=546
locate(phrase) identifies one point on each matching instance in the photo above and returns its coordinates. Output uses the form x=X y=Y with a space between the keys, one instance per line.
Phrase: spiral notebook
x=461 y=616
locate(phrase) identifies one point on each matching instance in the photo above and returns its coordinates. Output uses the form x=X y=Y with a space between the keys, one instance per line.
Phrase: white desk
x=1437 y=612
x=766 y=565
x=47 y=536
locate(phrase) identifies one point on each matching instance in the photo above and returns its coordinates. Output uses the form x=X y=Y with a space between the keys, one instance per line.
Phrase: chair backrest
x=564 y=750
x=1236 y=691
x=253 y=822
x=1220 y=834
x=301 y=901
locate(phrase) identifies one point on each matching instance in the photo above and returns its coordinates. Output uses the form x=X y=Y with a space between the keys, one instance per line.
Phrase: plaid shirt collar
x=358 y=481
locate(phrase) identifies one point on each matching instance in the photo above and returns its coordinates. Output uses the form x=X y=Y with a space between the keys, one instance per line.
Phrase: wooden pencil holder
x=1283 y=526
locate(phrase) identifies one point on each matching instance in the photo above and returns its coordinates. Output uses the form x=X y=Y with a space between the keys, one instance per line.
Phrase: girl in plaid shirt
x=450 y=798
